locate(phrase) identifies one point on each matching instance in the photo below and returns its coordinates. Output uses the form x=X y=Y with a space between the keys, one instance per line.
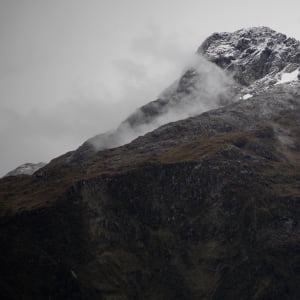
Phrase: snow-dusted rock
x=251 y=54
x=26 y=169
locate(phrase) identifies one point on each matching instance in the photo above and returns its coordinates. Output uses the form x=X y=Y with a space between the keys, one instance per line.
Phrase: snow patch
x=288 y=77
x=247 y=96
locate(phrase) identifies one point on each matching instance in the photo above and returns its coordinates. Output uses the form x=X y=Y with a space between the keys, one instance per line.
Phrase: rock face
x=26 y=169
x=207 y=207
x=252 y=53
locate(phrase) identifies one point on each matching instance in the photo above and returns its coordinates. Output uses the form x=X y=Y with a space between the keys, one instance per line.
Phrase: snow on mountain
x=251 y=53
x=288 y=77
x=256 y=57
x=26 y=169
x=247 y=96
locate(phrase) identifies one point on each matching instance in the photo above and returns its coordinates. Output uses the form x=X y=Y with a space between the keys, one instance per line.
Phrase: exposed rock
x=251 y=53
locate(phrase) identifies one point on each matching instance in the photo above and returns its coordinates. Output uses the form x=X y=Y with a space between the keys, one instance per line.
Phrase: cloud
x=41 y=133
x=203 y=86
x=53 y=109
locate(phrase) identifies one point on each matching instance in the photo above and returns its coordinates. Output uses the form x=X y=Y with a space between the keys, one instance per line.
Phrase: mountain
x=256 y=58
x=206 y=207
x=26 y=169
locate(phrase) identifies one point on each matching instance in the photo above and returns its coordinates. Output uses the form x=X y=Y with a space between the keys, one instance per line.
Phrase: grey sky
x=70 y=69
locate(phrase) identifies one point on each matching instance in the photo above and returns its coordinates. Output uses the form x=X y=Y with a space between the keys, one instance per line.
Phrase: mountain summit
x=237 y=66
x=252 y=54
x=205 y=205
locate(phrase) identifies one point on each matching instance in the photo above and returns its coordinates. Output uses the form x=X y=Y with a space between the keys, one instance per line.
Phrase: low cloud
x=202 y=86
x=49 y=110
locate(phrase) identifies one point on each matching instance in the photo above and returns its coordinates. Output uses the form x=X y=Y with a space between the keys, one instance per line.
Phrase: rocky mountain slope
x=206 y=207
x=26 y=169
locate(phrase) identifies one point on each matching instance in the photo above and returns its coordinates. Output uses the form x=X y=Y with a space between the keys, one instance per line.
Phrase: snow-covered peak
x=251 y=54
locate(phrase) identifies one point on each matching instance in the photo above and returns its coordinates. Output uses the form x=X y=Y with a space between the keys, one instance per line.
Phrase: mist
x=45 y=114
x=202 y=86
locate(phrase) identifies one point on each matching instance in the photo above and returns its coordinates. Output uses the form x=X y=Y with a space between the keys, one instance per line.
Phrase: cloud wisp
x=52 y=109
x=202 y=86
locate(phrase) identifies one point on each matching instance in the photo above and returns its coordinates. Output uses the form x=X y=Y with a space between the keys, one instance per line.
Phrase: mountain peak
x=251 y=53
x=256 y=30
x=228 y=67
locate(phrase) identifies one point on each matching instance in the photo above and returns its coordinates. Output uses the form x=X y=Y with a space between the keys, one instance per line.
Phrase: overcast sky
x=70 y=69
